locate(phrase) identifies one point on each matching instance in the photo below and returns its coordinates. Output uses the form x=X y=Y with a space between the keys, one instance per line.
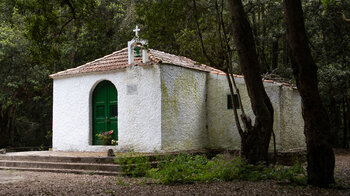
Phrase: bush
x=295 y=174
x=182 y=169
x=135 y=166
x=185 y=168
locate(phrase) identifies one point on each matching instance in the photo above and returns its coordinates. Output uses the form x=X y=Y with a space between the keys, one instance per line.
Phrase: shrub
x=135 y=166
x=185 y=168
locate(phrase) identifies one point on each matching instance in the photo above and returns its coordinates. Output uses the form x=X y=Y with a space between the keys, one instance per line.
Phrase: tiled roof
x=119 y=60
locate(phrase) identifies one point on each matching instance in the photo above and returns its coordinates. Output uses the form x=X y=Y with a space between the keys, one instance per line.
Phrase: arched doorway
x=104 y=110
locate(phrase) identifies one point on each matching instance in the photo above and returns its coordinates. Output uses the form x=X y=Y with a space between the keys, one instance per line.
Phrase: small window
x=235 y=100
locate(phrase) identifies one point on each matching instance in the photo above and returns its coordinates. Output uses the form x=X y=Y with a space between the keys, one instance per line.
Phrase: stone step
x=74 y=171
x=68 y=162
x=103 y=160
x=60 y=165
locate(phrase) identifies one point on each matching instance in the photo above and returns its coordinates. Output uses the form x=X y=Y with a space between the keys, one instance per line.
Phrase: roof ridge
x=172 y=54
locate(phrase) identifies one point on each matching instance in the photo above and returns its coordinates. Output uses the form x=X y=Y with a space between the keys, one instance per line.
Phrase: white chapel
x=156 y=101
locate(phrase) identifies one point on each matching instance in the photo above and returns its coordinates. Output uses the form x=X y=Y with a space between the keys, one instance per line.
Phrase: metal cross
x=136 y=30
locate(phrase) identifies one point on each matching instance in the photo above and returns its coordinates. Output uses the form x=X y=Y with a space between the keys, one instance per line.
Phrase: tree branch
x=212 y=63
x=344 y=18
x=65 y=24
x=67 y=2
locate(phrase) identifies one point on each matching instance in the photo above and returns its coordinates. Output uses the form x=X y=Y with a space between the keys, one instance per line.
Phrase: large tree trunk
x=320 y=156
x=255 y=139
x=6 y=122
x=345 y=122
x=346 y=144
x=286 y=52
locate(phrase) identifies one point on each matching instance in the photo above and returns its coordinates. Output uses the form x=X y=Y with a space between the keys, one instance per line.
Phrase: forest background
x=41 y=37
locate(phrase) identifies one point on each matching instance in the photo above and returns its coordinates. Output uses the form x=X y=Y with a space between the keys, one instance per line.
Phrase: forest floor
x=41 y=183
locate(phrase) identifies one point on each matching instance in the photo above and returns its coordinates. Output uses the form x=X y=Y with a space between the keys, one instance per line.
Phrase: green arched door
x=105 y=110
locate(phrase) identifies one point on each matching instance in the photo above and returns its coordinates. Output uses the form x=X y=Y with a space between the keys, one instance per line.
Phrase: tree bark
x=5 y=127
x=274 y=54
x=255 y=139
x=320 y=156
x=345 y=123
x=286 y=52
x=346 y=143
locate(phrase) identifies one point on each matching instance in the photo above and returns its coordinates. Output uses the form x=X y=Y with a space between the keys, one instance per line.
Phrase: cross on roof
x=136 y=30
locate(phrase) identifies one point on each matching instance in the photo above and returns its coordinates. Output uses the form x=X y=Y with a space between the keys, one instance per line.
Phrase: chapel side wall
x=222 y=130
x=139 y=110
x=292 y=121
x=183 y=108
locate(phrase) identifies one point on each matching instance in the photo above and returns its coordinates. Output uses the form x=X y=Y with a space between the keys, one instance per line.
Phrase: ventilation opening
x=235 y=100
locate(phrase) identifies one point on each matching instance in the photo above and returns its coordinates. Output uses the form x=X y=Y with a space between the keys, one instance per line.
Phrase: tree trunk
x=75 y=46
x=348 y=125
x=320 y=156
x=5 y=129
x=335 y=119
x=286 y=52
x=255 y=139
x=345 y=123
x=261 y=51
x=274 y=54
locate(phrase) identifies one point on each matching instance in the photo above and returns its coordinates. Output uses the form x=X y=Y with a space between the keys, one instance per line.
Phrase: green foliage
x=164 y=24
x=171 y=26
x=134 y=165
x=295 y=174
x=185 y=168
x=329 y=37
x=182 y=169
x=38 y=38
x=188 y=169
x=330 y=2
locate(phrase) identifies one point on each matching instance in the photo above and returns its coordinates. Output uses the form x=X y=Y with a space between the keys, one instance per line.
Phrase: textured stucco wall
x=139 y=109
x=222 y=131
x=183 y=108
x=292 y=134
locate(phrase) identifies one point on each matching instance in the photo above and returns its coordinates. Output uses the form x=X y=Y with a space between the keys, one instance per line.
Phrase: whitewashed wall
x=139 y=110
x=292 y=134
x=222 y=131
x=167 y=108
x=183 y=108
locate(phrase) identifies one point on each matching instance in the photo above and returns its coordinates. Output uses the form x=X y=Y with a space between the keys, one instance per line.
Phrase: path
x=37 y=183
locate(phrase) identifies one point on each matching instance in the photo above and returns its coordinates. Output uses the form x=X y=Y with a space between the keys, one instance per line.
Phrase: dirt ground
x=40 y=183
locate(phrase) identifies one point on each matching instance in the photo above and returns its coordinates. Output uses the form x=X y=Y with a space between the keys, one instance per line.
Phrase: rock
x=110 y=153
x=3 y=151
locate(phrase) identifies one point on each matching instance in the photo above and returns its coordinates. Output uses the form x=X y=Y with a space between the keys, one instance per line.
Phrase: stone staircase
x=74 y=162
x=61 y=164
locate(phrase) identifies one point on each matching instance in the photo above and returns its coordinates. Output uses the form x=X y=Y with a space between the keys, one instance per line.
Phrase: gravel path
x=40 y=183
